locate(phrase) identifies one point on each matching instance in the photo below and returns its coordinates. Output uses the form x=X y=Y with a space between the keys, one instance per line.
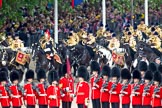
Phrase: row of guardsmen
x=106 y=88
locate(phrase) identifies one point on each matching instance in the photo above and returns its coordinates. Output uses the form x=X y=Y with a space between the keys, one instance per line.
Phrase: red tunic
x=156 y=101
x=125 y=99
x=95 y=94
x=16 y=96
x=82 y=92
x=4 y=99
x=146 y=99
x=137 y=100
x=67 y=83
x=104 y=95
x=42 y=96
x=30 y=94
x=114 y=98
x=53 y=91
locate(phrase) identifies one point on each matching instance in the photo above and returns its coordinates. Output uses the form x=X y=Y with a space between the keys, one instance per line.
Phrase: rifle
x=114 y=85
x=105 y=84
x=21 y=89
x=125 y=86
x=7 y=87
x=34 y=87
x=98 y=78
x=137 y=87
x=45 y=85
x=156 y=90
x=147 y=88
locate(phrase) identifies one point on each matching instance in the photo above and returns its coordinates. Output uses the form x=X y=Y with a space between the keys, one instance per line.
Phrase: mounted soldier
x=17 y=43
x=47 y=43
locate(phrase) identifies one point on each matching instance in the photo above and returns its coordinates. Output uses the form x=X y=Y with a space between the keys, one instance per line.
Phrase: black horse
x=151 y=53
x=39 y=56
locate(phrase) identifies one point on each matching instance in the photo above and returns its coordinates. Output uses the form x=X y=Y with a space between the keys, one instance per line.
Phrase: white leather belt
x=30 y=95
x=4 y=97
x=16 y=96
x=42 y=94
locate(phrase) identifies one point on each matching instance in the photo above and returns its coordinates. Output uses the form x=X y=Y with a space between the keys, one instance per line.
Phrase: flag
x=76 y=2
x=118 y=58
x=0 y=3
x=68 y=65
x=22 y=58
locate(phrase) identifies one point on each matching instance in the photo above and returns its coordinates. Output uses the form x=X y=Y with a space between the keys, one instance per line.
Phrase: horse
x=129 y=54
x=104 y=54
x=39 y=56
x=147 y=50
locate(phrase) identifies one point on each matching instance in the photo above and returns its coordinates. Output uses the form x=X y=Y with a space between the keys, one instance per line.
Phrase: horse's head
x=4 y=57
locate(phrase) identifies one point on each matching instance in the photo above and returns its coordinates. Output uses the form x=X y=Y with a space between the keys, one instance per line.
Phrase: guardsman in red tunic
x=42 y=87
x=16 y=95
x=157 y=91
x=96 y=84
x=147 y=95
x=104 y=95
x=66 y=84
x=30 y=94
x=142 y=67
x=4 y=96
x=53 y=91
x=115 y=88
x=137 y=90
x=126 y=88
x=82 y=88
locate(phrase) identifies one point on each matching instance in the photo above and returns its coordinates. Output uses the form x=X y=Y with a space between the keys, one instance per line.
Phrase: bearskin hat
x=125 y=74
x=106 y=70
x=29 y=74
x=160 y=68
x=95 y=66
x=3 y=76
x=142 y=66
x=115 y=72
x=157 y=76
x=4 y=69
x=14 y=75
x=64 y=70
x=152 y=67
x=52 y=76
x=82 y=72
x=148 y=75
x=41 y=74
x=136 y=74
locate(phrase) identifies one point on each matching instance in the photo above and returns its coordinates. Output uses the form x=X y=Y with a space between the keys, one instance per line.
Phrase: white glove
x=67 y=88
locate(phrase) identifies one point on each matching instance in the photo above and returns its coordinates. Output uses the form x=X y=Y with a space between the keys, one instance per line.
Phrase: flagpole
x=56 y=21
x=146 y=12
x=104 y=12
x=132 y=6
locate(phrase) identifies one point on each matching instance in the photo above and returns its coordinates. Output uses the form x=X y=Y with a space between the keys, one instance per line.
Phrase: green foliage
x=11 y=8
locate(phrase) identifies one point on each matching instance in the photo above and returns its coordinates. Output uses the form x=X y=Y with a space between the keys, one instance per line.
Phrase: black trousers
x=30 y=106
x=114 y=105
x=5 y=107
x=136 y=106
x=43 y=106
x=125 y=105
x=81 y=106
x=105 y=104
x=146 y=106
x=96 y=103
x=53 y=107
x=16 y=107
x=66 y=104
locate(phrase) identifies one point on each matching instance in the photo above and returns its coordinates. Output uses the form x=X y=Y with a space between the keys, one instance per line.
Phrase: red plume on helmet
x=47 y=34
